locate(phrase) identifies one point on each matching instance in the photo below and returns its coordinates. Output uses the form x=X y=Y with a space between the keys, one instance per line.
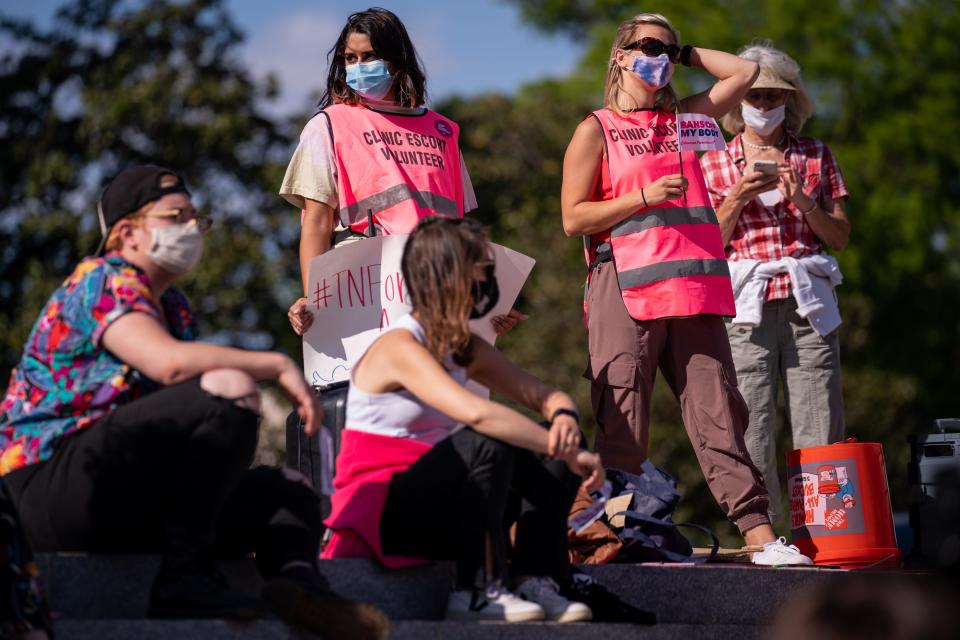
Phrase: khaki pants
x=694 y=356
x=785 y=347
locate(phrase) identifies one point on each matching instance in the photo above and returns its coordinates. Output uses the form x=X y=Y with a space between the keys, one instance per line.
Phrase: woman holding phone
x=781 y=200
x=658 y=283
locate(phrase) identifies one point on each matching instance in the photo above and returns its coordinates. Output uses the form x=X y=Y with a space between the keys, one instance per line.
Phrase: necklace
x=762 y=147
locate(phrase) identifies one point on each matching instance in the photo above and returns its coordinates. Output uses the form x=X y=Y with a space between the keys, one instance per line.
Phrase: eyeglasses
x=182 y=216
x=651 y=47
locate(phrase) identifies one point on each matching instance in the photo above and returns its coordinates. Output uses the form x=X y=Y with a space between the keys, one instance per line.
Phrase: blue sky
x=468 y=46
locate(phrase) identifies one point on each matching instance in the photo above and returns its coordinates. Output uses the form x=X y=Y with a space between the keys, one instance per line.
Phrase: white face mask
x=177 y=248
x=763 y=122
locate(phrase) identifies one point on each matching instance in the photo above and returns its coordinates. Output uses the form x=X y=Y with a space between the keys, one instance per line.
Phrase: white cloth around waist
x=812 y=281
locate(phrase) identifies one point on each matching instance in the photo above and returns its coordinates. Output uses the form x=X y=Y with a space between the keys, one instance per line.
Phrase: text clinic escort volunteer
x=395 y=138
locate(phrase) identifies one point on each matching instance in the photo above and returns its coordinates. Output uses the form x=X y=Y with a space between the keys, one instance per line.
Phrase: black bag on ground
x=606 y=605
x=304 y=453
x=648 y=532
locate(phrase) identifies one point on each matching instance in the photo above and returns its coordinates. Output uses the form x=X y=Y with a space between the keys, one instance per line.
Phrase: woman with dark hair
x=429 y=470
x=658 y=281
x=373 y=153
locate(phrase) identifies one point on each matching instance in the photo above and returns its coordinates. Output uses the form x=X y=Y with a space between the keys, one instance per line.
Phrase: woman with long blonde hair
x=658 y=282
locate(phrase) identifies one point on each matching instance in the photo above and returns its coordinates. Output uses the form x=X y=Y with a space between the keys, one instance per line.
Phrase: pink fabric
x=689 y=240
x=687 y=296
x=378 y=153
x=365 y=466
x=640 y=148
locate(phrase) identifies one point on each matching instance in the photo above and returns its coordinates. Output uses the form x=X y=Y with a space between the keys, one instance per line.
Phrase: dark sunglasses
x=651 y=47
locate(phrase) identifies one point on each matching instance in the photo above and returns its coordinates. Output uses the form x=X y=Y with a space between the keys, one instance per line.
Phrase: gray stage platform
x=105 y=597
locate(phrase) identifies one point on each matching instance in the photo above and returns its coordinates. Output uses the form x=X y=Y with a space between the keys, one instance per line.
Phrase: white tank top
x=398 y=414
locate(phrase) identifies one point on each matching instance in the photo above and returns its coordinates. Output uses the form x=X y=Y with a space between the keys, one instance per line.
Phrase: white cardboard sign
x=699 y=132
x=357 y=291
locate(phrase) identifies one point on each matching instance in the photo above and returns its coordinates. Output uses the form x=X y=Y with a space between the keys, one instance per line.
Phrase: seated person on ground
x=118 y=433
x=429 y=470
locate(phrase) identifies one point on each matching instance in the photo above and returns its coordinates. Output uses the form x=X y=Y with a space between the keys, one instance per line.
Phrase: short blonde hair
x=799 y=105
x=665 y=98
x=114 y=242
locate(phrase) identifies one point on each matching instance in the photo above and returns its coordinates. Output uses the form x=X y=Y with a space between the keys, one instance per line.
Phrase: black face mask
x=485 y=294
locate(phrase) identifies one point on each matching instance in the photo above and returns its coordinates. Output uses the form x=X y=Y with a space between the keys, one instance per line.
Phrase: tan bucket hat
x=769 y=80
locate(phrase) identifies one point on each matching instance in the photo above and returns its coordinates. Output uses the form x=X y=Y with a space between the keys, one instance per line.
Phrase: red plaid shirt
x=780 y=231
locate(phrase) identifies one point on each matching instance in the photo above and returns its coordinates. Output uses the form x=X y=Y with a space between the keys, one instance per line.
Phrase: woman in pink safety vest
x=374 y=152
x=658 y=282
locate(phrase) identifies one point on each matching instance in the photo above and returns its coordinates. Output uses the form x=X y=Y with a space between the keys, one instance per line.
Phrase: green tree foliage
x=109 y=86
x=514 y=150
x=884 y=76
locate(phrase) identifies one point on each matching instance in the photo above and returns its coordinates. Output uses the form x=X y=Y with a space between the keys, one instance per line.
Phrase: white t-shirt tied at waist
x=812 y=280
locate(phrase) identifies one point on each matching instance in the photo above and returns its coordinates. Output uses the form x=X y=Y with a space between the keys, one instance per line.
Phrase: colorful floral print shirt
x=66 y=380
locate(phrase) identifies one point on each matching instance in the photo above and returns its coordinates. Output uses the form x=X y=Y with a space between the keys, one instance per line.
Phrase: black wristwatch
x=563 y=411
x=685 y=52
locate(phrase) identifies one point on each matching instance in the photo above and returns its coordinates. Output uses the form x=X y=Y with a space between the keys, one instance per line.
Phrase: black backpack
x=649 y=533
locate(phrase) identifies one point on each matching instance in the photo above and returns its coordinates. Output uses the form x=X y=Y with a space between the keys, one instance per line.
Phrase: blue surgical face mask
x=372 y=80
x=656 y=72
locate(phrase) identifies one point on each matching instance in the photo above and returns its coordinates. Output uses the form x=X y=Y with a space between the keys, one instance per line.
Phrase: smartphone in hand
x=766 y=167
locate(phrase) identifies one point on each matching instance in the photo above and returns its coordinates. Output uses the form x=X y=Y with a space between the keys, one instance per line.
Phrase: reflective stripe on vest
x=669 y=258
x=674 y=269
x=400 y=167
x=395 y=195
x=664 y=217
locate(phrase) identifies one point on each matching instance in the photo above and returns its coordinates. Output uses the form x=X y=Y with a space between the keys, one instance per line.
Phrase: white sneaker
x=494 y=604
x=779 y=553
x=546 y=593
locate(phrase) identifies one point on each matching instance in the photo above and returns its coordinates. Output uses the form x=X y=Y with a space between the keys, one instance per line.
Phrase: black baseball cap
x=131 y=189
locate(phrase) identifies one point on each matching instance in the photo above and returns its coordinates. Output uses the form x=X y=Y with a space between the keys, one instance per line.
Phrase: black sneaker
x=606 y=606
x=310 y=604
x=199 y=590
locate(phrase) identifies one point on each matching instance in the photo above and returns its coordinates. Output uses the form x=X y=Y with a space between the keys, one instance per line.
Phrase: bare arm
x=140 y=341
x=734 y=76
x=584 y=216
x=315 y=234
x=747 y=188
x=397 y=360
x=728 y=214
x=495 y=371
x=318 y=224
x=829 y=221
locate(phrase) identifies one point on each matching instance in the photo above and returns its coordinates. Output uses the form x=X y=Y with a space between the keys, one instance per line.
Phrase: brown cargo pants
x=693 y=353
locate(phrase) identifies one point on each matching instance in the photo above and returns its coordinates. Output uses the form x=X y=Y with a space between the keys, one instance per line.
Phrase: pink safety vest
x=400 y=167
x=669 y=258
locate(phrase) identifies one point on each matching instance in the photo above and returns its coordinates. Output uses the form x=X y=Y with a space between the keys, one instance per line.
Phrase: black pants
x=166 y=473
x=468 y=486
